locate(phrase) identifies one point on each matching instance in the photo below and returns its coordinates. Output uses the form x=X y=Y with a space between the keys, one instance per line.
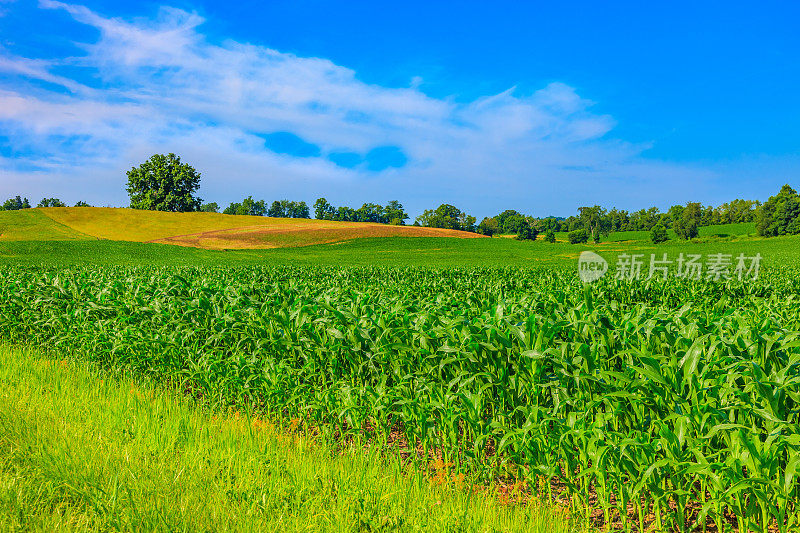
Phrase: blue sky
x=539 y=107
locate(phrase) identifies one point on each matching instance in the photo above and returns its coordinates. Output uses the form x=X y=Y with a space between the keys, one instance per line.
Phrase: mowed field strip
x=34 y=225
x=217 y=231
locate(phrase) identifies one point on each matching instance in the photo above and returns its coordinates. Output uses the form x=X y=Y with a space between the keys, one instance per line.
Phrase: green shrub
x=658 y=234
x=578 y=236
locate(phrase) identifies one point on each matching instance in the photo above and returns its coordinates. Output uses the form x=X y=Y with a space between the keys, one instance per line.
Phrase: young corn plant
x=674 y=398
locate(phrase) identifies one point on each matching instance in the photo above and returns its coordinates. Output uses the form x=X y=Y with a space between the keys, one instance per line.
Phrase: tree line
x=164 y=183
x=780 y=215
x=392 y=213
x=17 y=203
x=258 y=208
x=176 y=182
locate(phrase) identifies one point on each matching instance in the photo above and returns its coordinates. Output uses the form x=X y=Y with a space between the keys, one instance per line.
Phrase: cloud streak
x=160 y=85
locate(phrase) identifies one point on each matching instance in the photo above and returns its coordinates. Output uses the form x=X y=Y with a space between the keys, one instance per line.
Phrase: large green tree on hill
x=163 y=183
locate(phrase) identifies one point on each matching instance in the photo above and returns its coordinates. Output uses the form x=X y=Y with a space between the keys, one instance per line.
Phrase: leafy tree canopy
x=514 y=224
x=288 y=209
x=163 y=183
x=488 y=226
x=51 y=202
x=448 y=217
x=658 y=234
x=688 y=222
x=578 y=236
x=248 y=206
x=393 y=213
x=323 y=210
x=780 y=215
x=14 y=204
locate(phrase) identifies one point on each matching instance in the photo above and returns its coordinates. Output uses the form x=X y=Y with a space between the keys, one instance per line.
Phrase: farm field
x=366 y=278
x=125 y=236
x=435 y=252
x=652 y=404
x=217 y=231
x=721 y=231
x=660 y=404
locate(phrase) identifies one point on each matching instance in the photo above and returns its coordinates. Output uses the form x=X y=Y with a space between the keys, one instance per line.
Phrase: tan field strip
x=303 y=234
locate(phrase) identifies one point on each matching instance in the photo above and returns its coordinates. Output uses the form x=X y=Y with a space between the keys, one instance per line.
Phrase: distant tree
x=297 y=210
x=780 y=215
x=395 y=214
x=738 y=211
x=578 y=236
x=596 y=235
x=15 y=204
x=163 y=183
x=675 y=213
x=488 y=226
x=212 y=207
x=51 y=202
x=248 y=206
x=528 y=232
x=515 y=223
x=571 y=223
x=503 y=217
x=323 y=210
x=346 y=214
x=618 y=220
x=595 y=221
x=277 y=209
x=370 y=213
x=550 y=236
x=446 y=216
x=658 y=234
x=288 y=209
x=685 y=228
x=709 y=216
x=686 y=225
x=81 y=203
x=256 y=208
x=644 y=219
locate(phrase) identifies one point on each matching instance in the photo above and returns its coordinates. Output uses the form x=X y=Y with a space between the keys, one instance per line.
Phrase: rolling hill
x=212 y=231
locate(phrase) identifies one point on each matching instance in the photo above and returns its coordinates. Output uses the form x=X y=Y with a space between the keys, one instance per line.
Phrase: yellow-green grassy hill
x=202 y=230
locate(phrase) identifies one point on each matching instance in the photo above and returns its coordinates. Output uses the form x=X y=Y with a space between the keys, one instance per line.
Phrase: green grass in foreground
x=80 y=451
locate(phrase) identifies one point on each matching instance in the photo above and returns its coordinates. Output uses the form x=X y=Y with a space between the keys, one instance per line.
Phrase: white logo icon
x=591 y=267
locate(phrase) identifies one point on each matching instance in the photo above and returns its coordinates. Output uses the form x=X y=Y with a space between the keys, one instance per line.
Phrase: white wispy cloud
x=160 y=84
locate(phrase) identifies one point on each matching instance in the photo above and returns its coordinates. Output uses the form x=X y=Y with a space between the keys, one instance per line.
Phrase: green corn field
x=672 y=405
